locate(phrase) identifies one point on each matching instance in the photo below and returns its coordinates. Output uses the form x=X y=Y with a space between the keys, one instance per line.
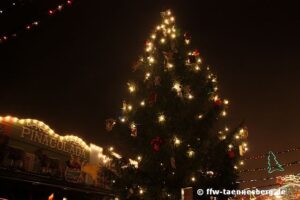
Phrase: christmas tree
x=273 y=163
x=171 y=123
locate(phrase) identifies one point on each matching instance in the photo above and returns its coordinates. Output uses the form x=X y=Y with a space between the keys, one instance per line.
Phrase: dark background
x=71 y=71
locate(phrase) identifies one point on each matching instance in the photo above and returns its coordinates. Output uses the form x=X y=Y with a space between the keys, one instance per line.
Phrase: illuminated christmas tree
x=273 y=163
x=171 y=123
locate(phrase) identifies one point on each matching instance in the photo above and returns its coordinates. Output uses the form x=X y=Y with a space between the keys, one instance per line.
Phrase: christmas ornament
x=173 y=47
x=217 y=102
x=157 y=81
x=241 y=150
x=187 y=38
x=196 y=53
x=152 y=98
x=136 y=65
x=192 y=58
x=109 y=124
x=168 y=57
x=156 y=143
x=124 y=106
x=231 y=154
x=173 y=162
x=133 y=130
x=187 y=91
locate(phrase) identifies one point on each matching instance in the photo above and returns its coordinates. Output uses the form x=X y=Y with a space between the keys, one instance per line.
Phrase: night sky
x=71 y=71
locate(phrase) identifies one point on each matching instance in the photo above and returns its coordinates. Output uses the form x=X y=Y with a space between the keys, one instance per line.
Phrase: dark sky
x=71 y=71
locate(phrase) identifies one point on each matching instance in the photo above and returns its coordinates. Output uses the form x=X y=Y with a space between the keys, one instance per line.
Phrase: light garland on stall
x=70 y=138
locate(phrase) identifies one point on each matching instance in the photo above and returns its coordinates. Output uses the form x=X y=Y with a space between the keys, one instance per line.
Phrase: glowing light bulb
x=199 y=60
x=190 y=153
x=131 y=87
x=153 y=36
x=193 y=179
x=147 y=76
x=177 y=141
x=162 y=40
x=226 y=102
x=169 y=12
x=139 y=158
x=197 y=68
x=141 y=191
x=223 y=113
x=173 y=35
x=177 y=87
x=129 y=107
x=7 y=118
x=237 y=137
x=123 y=119
x=190 y=96
x=242 y=163
x=142 y=103
x=111 y=148
x=167 y=21
x=172 y=19
x=235 y=167
x=161 y=118
x=230 y=146
x=151 y=59
x=170 y=65
x=132 y=125
x=200 y=116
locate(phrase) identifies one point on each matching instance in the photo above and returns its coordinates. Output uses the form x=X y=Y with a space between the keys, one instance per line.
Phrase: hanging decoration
x=109 y=124
x=231 y=154
x=133 y=129
x=152 y=98
x=173 y=162
x=156 y=143
x=157 y=80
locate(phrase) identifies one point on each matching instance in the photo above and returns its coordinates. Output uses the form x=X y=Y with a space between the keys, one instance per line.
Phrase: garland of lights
x=2 y=11
x=91 y=147
x=261 y=156
x=35 y=23
x=266 y=168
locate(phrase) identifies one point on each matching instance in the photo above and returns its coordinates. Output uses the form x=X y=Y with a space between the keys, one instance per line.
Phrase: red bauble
x=231 y=154
x=218 y=102
x=152 y=98
x=156 y=143
x=196 y=53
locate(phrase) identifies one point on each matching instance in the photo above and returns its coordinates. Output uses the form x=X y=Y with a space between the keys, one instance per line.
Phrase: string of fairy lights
x=8 y=7
x=104 y=158
x=261 y=156
x=4 y=37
